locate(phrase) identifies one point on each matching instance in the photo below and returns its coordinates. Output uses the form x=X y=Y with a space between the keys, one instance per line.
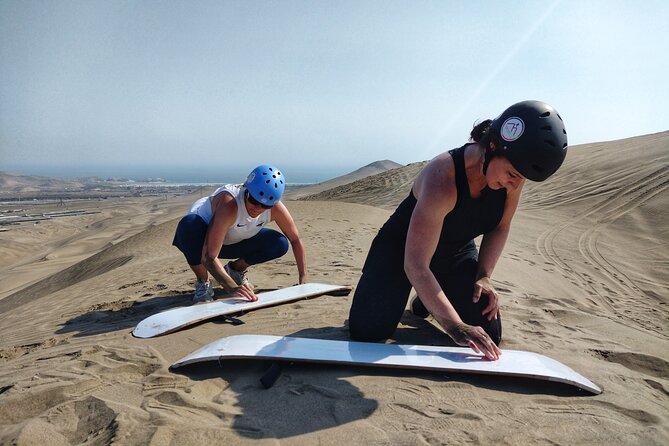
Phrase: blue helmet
x=266 y=184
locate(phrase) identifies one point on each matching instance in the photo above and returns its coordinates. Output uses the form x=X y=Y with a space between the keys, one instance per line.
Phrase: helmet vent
x=547 y=127
x=537 y=168
x=266 y=184
x=545 y=114
x=548 y=141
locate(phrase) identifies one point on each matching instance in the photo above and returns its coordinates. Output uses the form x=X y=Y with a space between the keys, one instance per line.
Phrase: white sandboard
x=455 y=359
x=177 y=318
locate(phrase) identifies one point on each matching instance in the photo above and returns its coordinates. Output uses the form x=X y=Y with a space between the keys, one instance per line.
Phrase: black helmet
x=531 y=135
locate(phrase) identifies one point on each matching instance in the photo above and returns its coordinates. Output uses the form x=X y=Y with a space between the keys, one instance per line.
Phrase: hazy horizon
x=191 y=173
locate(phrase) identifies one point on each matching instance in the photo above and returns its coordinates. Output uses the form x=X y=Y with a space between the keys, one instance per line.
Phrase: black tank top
x=469 y=218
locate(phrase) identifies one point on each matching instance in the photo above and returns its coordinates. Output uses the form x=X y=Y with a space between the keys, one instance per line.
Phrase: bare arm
x=490 y=251
x=434 y=202
x=436 y=198
x=224 y=216
x=287 y=225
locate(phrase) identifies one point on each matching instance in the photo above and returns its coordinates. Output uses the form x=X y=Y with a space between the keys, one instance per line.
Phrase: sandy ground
x=584 y=280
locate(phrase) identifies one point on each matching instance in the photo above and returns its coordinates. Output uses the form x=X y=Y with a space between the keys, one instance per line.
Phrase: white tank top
x=244 y=226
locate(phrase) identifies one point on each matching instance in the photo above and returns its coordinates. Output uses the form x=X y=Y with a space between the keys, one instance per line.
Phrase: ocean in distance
x=197 y=175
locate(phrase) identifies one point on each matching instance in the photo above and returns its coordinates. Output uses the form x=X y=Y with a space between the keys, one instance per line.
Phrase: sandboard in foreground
x=426 y=357
x=178 y=318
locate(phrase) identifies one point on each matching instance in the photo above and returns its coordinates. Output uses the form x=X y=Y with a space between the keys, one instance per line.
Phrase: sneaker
x=203 y=292
x=238 y=276
x=417 y=307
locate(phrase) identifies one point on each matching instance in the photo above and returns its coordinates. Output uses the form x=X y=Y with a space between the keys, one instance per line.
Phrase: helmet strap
x=488 y=155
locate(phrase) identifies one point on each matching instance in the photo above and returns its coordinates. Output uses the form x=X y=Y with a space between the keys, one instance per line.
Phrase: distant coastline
x=65 y=185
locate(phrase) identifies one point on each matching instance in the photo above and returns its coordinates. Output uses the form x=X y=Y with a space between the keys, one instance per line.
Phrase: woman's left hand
x=484 y=286
x=245 y=290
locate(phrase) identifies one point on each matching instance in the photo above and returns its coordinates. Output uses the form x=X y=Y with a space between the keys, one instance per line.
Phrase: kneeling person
x=230 y=224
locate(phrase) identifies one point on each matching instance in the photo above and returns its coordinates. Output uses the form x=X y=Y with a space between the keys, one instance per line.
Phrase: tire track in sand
x=590 y=225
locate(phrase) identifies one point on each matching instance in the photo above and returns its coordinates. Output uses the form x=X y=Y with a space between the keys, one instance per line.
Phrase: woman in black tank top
x=428 y=243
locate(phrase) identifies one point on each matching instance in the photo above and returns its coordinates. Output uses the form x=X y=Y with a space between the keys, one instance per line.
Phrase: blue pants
x=266 y=245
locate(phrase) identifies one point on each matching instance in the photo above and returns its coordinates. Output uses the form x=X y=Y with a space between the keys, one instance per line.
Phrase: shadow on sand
x=114 y=316
x=320 y=396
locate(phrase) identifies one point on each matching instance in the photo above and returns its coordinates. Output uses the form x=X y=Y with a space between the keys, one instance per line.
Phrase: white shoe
x=203 y=292
x=238 y=276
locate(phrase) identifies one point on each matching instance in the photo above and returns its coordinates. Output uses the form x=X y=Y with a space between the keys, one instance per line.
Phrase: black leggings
x=383 y=291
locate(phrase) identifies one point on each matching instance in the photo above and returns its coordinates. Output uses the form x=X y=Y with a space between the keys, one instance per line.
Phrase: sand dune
x=13 y=182
x=364 y=172
x=385 y=190
x=584 y=280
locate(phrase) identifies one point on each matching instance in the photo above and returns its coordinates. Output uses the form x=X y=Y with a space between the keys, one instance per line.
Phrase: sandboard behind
x=178 y=318
x=455 y=359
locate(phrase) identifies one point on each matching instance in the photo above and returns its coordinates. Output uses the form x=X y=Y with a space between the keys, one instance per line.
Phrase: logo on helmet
x=512 y=129
x=251 y=177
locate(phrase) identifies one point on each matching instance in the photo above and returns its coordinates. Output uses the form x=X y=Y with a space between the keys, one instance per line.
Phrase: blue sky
x=301 y=83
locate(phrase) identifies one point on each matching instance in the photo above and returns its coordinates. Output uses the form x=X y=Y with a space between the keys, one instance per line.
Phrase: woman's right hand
x=476 y=338
x=246 y=291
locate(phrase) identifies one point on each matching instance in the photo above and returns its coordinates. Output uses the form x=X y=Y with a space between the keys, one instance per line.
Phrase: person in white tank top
x=245 y=226
x=230 y=224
